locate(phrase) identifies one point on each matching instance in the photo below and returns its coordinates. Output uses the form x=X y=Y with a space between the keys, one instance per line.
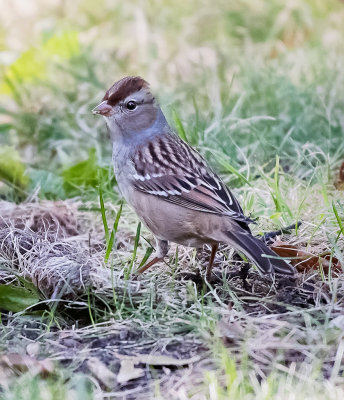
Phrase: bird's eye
x=131 y=105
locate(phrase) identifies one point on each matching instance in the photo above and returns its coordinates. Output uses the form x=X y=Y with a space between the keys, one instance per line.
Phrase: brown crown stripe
x=124 y=88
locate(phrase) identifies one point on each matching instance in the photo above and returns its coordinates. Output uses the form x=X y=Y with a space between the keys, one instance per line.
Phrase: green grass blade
x=339 y=220
x=278 y=199
x=276 y=173
x=89 y=306
x=136 y=244
x=148 y=252
x=102 y=210
x=118 y=216
x=113 y=233
x=179 y=125
x=229 y=167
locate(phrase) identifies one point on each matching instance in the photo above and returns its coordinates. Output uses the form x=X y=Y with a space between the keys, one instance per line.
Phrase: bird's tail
x=265 y=259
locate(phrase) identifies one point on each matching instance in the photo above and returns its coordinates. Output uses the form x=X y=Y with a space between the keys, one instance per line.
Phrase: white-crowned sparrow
x=170 y=185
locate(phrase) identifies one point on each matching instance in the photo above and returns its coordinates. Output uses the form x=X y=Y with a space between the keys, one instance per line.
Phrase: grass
x=257 y=87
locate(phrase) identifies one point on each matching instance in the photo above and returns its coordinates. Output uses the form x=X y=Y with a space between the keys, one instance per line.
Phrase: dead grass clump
x=55 y=267
x=57 y=218
x=43 y=243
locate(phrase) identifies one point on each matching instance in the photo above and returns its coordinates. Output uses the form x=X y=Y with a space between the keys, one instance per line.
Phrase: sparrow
x=170 y=185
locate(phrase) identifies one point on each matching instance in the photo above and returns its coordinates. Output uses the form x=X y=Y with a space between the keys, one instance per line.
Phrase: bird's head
x=128 y=107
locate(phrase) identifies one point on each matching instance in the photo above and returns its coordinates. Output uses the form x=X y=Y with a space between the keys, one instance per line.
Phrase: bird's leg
x=161 y=251
x=211 y=261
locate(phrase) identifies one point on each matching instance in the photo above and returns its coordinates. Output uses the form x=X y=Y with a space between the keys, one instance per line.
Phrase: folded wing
x=169 y=168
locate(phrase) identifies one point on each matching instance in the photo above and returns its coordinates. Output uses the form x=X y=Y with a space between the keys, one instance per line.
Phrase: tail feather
x=265 y=259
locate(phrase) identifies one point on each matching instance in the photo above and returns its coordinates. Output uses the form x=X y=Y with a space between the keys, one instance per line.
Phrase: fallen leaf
x=158 y=359
x=305 y=261
x=15 y=298
x=102 y=372
x=19 y=363
x=128 y=371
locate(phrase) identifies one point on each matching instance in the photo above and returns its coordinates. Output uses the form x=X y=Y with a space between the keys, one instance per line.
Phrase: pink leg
x=162 y=249
x=148 y=265
x=211 y=261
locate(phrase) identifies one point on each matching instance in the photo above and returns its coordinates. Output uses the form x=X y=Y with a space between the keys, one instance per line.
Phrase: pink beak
x=103 y=108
